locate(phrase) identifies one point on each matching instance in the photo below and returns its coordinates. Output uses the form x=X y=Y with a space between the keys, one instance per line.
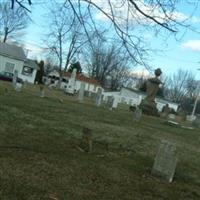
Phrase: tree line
x=107 y=36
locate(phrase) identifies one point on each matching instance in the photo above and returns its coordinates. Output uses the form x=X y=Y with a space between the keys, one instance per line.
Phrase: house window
x=27 y=71
x=9 y=67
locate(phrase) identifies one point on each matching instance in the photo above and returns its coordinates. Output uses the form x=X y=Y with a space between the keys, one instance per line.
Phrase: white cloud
x=33 y=50
x=192 y=45
x=141 y=73
x=120 y=10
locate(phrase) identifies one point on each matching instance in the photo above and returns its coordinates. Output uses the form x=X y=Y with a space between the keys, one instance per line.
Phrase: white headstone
x=81 y=92
x=109 y=102
x=165 y=161
x=99 y=97
x=72 y=82
x=137 y=114
x=115 y=102
x=172 y=116
x=190 y=118
x=42 y=94
x=18 y=87
x=14 y=80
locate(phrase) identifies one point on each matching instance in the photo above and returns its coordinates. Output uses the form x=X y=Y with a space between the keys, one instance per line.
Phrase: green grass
x=39 y=161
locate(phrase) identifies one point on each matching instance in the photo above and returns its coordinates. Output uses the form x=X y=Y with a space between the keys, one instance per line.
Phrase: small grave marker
x=99 y=97
x=115 y=102
x=42 y=90
x=86 y=143
x=165 y=161
x=137 y=114
x=81 y=93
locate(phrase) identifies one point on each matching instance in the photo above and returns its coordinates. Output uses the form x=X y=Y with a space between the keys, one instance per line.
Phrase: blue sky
x=183 y=53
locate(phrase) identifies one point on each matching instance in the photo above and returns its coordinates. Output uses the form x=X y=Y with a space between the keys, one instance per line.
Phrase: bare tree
x=180 y=85
x=64 y=39
x=12 y=21
x=129 y=18
x=20 y=3
x=106 y=59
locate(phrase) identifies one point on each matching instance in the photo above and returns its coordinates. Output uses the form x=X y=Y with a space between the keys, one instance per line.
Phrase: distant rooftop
x=83 y=78
x=12 y=51
x=31 y=63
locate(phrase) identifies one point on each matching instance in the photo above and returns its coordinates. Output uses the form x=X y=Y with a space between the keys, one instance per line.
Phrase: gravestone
x=165 y=111
x=109 y=102
x=86 y=93
x=18 y=87
x=181 y=115
x=137 y=114
x=98 y=97
x=81 y=93
x=86 y=142
x=196 y=122
x=165 y=161
x=115 y=102
x=14 y=80
x=72 y=82
x=190 y=118
x=172 y=116
x=42 y=91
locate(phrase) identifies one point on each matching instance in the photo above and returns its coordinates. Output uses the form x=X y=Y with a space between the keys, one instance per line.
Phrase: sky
x=173 y=53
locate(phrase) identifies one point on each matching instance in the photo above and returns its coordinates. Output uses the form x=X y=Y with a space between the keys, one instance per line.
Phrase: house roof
x=81 y=77
x=12 y=51
x=31 y=63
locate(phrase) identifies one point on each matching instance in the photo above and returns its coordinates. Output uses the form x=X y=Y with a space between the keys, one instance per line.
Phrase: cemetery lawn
x=39 y=158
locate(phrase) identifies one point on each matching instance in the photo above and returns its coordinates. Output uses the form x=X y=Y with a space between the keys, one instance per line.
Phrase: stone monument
x=148 y=105
x=165 y=161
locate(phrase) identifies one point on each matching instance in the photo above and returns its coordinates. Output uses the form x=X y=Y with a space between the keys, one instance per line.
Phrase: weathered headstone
x=165 y=111
x=181 y=115
x=42 y=91
x=18 y=87
x=137 y=114
x=165 y=161
x=72 y=82
x=109 y=102
x=190 y=118
x=98 y=97
x=14 y=80
x=81 y=93
x=196 y=122
x=115 y=102
x=86 y=142
x=172 y=116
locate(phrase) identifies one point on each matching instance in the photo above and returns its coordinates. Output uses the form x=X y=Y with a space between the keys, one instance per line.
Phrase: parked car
x=7 y=76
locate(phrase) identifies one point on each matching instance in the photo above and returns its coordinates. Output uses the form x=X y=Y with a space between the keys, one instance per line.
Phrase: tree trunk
x=5 y=35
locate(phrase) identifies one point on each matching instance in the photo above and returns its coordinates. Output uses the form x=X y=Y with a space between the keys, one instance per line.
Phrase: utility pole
x=196 y=101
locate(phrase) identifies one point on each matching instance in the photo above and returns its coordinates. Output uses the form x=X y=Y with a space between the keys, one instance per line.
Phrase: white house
x=134 y=97
x=91 y=85
x=12 y=58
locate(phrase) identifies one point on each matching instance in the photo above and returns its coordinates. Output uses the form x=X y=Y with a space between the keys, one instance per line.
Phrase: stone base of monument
x=149 y=108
